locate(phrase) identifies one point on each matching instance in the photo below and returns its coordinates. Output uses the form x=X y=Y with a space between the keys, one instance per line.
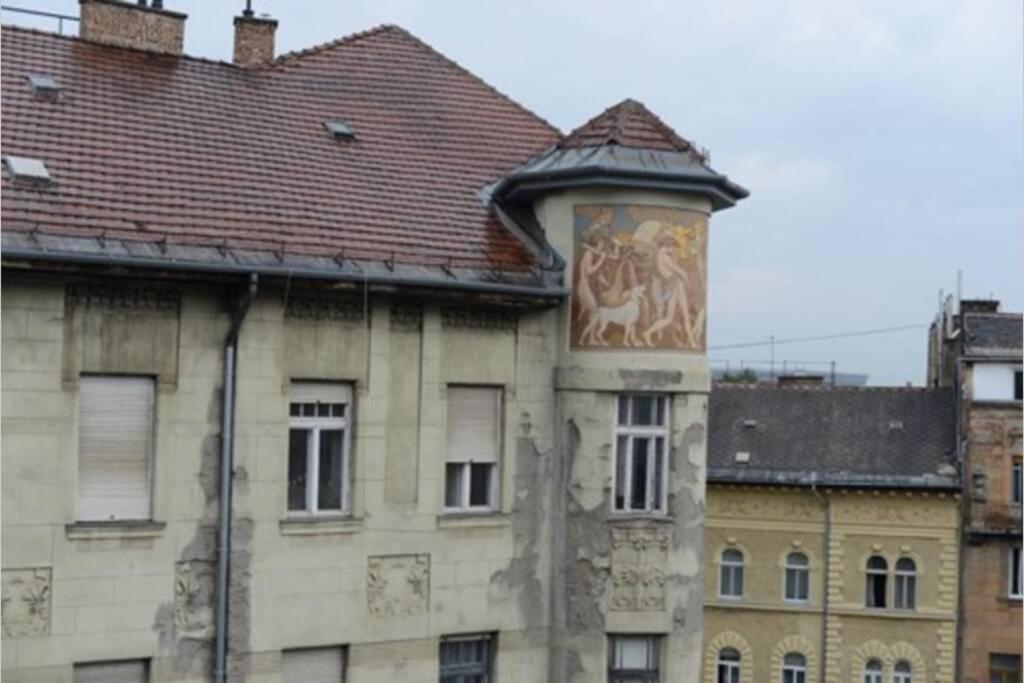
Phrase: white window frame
x=800 y=569
x=465 y=467
x=877 y=573
x=653 y=432
x=1014 y=557
x=798 y=671
x=904 y=578
x=733 y=567
x=315 y=425
x=903 y=676
x=733 y=668
x=618 y=671
x=875 y=675
x=482 y=669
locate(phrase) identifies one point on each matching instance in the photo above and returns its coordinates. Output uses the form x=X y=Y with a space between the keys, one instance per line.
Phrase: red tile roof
x=190 y=151
x=628 y=124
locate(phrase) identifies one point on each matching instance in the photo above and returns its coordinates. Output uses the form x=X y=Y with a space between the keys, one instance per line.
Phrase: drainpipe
x=227 y=433
x=826 y=505
x=965 y=511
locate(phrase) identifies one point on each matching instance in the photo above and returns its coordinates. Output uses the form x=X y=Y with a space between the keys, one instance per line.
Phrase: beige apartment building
x=832 y=535
x=341 y=365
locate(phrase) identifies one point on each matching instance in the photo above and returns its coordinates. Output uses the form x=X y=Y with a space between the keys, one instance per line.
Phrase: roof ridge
x=614 y=118
x=749 y=386
x=330 y=44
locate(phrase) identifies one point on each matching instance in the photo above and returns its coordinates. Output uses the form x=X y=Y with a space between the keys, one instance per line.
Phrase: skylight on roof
x=339 y=129
x=27 y=169
x=44 y=85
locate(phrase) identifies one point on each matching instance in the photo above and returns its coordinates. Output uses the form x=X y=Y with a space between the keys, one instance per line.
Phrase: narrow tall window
x=127 y=671
x=906 y=584
x=115 y=448
x=794 y=668
x=873 y=671
x=797 y=587
x=474 y=448
x=1016 y=579
x=1018 y=385
x=633 y=659
x=728 y=665
x=1004 y=668
x=730 y=574
x=313 y=665
x=877 y=576
x=467 y=659
x=318 y=448
x=903 y=672
x=641 y=452
x=1016 y=494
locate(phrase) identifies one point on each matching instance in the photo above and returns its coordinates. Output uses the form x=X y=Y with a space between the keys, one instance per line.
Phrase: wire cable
x=795 y=340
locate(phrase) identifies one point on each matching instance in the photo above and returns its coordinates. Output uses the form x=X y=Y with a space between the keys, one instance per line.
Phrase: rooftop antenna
x=959 y=287
x=247 y=12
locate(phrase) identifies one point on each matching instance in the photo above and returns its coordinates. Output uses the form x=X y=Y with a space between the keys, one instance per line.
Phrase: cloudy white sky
x=881 y=141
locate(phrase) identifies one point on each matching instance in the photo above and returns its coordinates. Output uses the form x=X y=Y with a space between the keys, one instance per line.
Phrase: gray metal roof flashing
x=724 y=475
x=28 y=170
x=544 y=286
x=613 y=165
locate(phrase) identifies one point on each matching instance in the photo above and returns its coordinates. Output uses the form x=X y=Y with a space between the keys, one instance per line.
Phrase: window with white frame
x=872 y=671
x=797 y=588
x=125 y=671
x=313 y=665
x=728 y=665
x=1016 y=494
x=467 y=659
x=905 y=593
x=633 y=659
x=115 y=448
x=1016 y=587
x=903 y=672
x=794 y=668
x=730 y=574
x=641 y=453
x=319 y=444
x=474 y=448
x=876 y=584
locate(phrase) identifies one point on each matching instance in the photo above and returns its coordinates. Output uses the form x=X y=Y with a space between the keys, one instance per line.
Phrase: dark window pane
x=1018 y=385
x=323 y=410
x=309 y=410
x=623 y=410
x=332 y=447
x=659 y=471
x=480 y=484
x=621 y=446
x=294 y=409
x=639 y=474
x=297 y=446
x=643 y=410
x=453 y=485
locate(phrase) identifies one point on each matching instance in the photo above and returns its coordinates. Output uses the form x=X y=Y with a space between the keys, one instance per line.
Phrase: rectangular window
x=474 y=448
x=633 y=659
x=1004 y=668
x=319 y=438
x=1016 y=495
x=467 y=659
x=641 y=451
x=313 y=665
x=115 y=448
x=1016 y=580
x=1018 y=385
x=128 y=671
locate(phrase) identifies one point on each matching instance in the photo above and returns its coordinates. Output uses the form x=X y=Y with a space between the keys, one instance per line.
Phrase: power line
x=794 y=340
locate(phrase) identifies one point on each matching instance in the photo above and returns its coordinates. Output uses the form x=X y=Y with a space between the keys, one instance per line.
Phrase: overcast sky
x=881 y=141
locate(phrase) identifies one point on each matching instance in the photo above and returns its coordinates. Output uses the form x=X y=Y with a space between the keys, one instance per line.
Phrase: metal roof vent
x=743 y=457
x=25 y=169
x=340 y=130
x=44 y=86
x=896 y=425
x=749 y=424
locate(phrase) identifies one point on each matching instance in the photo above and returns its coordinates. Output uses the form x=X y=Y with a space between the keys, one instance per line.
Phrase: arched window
x=877 y=574
x=903 y=672
x=873 y=671
x=906 y=584
x=797 y=586
x=728 y=665
x=794 y=668
x=730 y=576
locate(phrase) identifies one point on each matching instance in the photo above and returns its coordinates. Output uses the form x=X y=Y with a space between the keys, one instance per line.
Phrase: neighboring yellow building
x=831 y=535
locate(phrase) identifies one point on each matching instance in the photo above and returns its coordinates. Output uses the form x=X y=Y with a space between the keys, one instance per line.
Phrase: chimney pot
x=254 y=39
x=136 y=26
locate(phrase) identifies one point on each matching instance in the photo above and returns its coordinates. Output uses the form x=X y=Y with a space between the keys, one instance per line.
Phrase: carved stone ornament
x=398 y=585
x=317 y=307
x=194 y=584
x=639 y=561
x=480 y=319
x=26 y=602
x=124 y=297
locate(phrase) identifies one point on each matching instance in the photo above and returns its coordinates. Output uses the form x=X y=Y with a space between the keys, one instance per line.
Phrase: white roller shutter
x=474 y=424
x=115 y=444
x=319 y=392
x=314 y=665
x=111 y=672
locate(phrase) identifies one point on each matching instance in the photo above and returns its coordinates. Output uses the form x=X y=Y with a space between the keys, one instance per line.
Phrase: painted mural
x=639 y=278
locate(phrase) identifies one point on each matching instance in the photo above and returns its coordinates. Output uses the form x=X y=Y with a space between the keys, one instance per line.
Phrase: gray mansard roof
x=993 y=334
x=857 y=437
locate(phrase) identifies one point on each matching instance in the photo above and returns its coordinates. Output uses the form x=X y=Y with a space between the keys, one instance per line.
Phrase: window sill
x=320 y=525
x=460 y=520
x=86 y=531
x=656 y=517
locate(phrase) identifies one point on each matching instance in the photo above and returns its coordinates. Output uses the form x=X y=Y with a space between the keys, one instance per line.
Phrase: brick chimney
x=254 y=38
x=979 y=306
x=135 y=25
